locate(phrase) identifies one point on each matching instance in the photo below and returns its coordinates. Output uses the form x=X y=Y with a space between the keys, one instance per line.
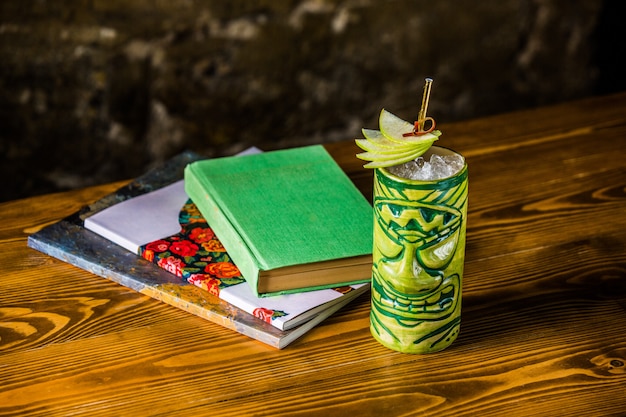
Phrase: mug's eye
x=439 y=255
x=387 y=218
x=388 y=247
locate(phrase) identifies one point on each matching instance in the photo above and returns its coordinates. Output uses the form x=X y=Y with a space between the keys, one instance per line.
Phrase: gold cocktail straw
x=422 y=114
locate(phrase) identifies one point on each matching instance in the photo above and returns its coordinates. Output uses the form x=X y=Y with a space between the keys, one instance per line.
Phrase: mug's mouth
x=431 y=305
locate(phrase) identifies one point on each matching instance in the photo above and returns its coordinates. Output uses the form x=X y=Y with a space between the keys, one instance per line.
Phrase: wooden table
x=544 y=314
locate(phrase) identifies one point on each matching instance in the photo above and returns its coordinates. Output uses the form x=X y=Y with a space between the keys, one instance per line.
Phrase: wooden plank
x=544 y=307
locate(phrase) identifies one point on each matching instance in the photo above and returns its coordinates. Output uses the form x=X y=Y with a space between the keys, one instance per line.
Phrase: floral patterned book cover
x=178 y=273
x=144 y=226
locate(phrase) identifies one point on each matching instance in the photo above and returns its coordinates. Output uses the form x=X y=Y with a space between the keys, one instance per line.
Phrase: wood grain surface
x=544 y=310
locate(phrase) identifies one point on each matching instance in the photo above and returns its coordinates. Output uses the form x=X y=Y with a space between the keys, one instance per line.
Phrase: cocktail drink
x=420 y=211
x=419 y=249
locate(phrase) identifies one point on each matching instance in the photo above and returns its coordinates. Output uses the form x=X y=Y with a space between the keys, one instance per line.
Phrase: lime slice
x=389 y=158
x=396 y=160
x=393 y=127
x=389 y=146
x=392 y=156
x=381 y=148
x=378 y=138
x=372 y=134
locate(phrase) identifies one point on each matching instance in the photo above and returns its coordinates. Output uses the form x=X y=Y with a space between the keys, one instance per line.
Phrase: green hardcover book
x=291 y=220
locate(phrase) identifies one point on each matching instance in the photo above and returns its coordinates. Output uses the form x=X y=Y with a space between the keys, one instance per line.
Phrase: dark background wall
x=99 y=90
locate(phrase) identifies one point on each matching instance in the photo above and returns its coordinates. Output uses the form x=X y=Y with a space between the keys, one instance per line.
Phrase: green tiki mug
x=418 y=256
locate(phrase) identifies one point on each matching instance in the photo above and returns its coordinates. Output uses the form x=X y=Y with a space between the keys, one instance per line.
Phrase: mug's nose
x=408 y=276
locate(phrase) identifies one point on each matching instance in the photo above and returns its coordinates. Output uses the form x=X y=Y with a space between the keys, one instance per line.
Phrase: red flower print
x=184 y=248
x=158 y=246
x=172 y=265
x=222 y=270
x=193 y=278
x=264 y=314
x=148 y=255
x=206 y=282
x=212 y=286
x=213 y=245
x=196 y=279
x=201 y=235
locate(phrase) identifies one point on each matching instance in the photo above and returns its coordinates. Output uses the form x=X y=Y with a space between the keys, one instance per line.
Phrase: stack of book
x=268 y=244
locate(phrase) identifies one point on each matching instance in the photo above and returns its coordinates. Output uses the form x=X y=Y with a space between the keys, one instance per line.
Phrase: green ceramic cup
x=418 y=257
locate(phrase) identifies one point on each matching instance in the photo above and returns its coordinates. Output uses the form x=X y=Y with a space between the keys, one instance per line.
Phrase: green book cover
x=291 y=219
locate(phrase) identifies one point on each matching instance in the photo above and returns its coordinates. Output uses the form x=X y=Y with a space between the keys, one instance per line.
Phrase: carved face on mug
x=419 y=241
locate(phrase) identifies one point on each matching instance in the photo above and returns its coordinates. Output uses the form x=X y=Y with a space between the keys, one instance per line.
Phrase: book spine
x=200 y=194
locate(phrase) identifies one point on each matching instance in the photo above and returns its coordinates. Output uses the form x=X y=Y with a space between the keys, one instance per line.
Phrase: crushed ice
x=438 y=167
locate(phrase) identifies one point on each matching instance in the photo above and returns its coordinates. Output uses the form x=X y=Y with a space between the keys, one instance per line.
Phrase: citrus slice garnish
x=391 y=145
